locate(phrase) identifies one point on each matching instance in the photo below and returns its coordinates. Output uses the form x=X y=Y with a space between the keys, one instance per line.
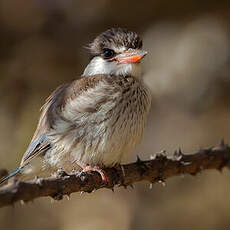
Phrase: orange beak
x=130 y=56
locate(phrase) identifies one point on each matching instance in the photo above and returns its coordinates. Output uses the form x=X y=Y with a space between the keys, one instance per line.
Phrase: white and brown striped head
x=116 y=51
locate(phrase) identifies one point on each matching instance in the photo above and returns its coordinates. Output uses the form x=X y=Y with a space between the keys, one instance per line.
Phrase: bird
x=97 y=119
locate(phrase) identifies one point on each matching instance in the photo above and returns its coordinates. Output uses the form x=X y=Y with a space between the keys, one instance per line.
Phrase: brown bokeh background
x=187 y=68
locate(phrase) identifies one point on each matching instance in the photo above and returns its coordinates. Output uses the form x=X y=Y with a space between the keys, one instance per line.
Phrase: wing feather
x=51 y=112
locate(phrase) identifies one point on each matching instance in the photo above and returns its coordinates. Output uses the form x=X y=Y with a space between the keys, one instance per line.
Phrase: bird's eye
x=108 y=53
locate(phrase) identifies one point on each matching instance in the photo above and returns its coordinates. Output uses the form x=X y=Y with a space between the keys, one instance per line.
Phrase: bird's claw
x=98 y=169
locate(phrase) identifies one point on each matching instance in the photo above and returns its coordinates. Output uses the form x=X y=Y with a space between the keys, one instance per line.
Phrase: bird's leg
x=97 y=168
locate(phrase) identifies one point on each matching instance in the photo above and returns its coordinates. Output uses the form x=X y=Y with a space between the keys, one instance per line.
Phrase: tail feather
x=13 y=173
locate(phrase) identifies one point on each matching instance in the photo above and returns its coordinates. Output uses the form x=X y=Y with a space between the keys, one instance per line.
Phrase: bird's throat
x=100 y=66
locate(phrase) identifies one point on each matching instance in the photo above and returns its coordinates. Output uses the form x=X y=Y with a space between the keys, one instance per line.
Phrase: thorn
x=123 y=170
x=68 y=196
x=222 y=144
x=177 y=156
x=138 y=159
x=163 y=153
x=22 y=202
x=150 y=185
x=38 y=180
x=153 y=156
x=131 y=185
x=180 y=152
x=162 y=182
x=160 y=154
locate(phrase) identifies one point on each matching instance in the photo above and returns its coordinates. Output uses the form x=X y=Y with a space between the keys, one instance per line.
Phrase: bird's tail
x=13 y=173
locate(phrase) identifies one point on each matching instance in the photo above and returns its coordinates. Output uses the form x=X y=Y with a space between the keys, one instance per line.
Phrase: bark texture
x=157 y=169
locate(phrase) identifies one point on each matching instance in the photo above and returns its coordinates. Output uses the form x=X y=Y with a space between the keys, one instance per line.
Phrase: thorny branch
x=158 y=169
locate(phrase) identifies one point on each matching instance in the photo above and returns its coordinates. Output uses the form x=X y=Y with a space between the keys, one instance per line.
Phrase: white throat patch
x=100 y=66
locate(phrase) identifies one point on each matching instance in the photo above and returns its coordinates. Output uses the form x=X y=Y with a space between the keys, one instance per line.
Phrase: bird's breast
x=106 y=123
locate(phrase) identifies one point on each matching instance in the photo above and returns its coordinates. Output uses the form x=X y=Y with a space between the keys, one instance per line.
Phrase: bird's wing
x=57 y=102
x=49 y=113
x=36 y=147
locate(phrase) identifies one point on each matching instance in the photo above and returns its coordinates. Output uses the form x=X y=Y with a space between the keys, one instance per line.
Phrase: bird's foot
x=98 y=169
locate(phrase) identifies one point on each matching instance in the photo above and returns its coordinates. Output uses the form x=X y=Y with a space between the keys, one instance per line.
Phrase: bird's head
x=116 y=51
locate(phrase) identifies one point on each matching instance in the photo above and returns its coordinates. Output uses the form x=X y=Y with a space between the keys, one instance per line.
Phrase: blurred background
x=187 y=69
